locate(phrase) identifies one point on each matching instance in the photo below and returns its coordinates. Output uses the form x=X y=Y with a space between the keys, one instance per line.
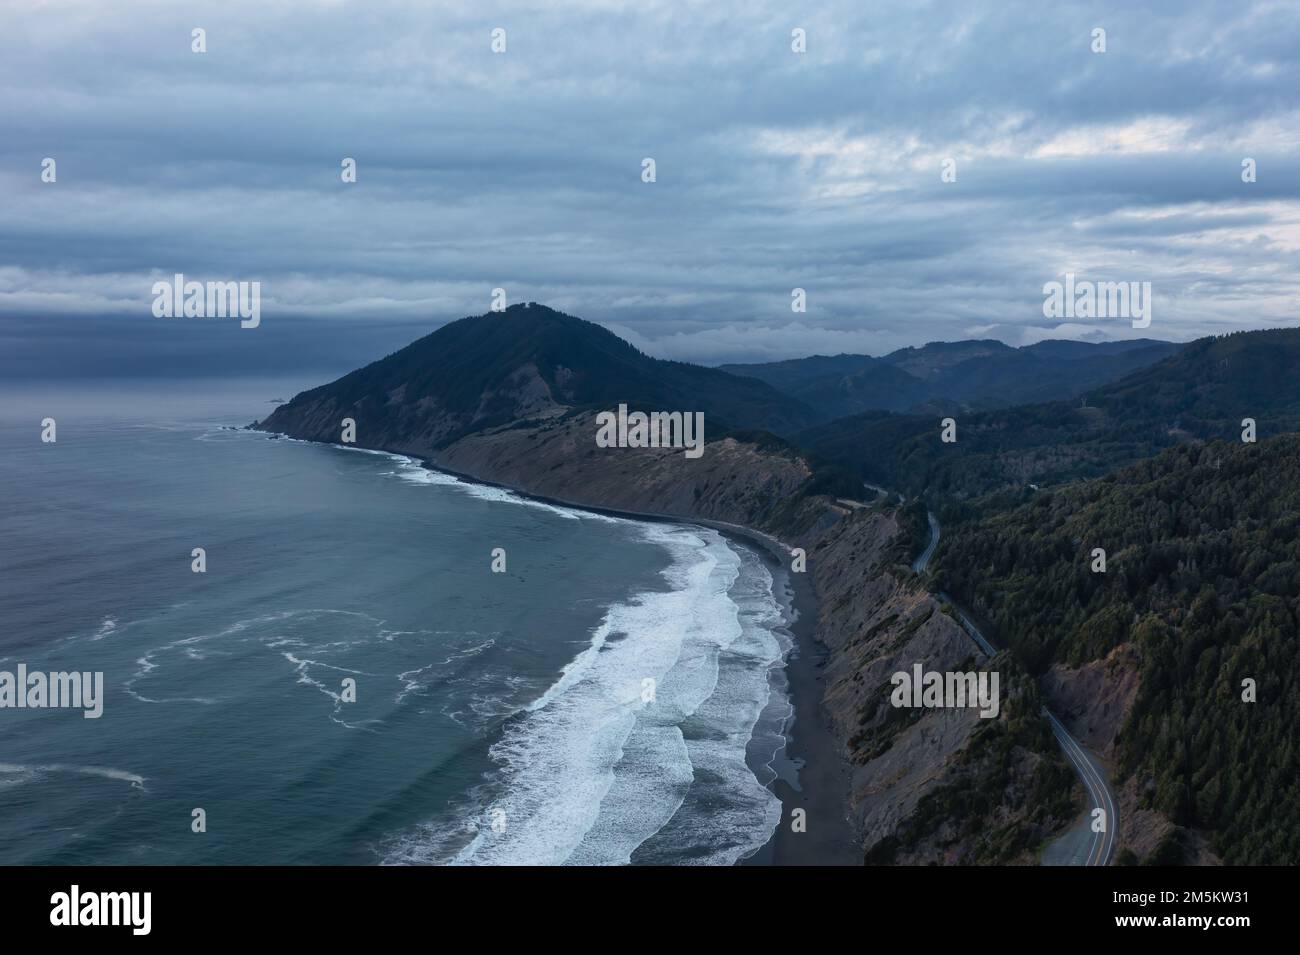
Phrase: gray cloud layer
x=522 y=170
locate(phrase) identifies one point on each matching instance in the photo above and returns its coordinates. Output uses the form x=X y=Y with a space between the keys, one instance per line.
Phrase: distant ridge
x=1202 y=391
x=974 y=375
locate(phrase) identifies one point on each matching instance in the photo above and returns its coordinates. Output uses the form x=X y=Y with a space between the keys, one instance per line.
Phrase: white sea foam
x=413 y=471
x=410 y=469
x=27 y=772
x=590 y=771
x=729 y=813
x=720 y=682
x=303 y=667
x=198 y=647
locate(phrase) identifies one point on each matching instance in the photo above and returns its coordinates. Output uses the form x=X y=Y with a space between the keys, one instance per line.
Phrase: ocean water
x=615 y=696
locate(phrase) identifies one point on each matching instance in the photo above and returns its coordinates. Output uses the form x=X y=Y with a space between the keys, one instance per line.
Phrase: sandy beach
x=818 y=781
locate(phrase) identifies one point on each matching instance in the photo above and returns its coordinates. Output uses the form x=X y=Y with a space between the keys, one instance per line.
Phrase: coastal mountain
x=1148 y=658
x=970 y=375
x=1203 y=391
x=526 y=361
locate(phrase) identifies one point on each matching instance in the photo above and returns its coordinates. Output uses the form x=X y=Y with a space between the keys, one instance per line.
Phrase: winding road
x=1101 y=850
x=923 y=561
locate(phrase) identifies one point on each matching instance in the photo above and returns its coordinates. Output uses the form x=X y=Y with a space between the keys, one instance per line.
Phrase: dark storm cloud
x=522 y=170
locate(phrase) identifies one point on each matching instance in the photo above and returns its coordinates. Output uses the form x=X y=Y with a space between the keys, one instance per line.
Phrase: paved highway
x=921 y=562
x=1102 y=848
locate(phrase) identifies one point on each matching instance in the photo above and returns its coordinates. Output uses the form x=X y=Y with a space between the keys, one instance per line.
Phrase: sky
x=523 y=170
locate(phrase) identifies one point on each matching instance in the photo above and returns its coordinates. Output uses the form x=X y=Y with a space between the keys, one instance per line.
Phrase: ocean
x=616 y=695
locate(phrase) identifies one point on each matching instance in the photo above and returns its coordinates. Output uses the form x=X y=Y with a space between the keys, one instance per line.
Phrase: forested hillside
x=1202 y=578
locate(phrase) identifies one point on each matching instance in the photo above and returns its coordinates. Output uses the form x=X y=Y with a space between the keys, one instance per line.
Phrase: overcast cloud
x=522 y=170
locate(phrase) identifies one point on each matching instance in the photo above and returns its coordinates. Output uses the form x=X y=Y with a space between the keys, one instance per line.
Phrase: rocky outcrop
x=1094 y=700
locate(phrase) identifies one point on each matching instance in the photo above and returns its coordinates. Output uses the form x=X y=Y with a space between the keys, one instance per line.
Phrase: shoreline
x=811 y=753
x=811 y=772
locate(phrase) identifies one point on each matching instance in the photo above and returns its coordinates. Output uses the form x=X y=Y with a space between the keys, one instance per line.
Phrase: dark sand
x=820 y=784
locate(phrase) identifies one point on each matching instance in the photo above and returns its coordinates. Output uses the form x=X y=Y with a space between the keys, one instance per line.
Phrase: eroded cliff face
x=877 y=620
x=1094 y=699
x=876 y=627
x=733 y=481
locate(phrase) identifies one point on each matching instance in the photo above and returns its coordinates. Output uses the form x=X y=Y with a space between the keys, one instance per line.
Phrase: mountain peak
x=535 y=310
x=525 y=361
